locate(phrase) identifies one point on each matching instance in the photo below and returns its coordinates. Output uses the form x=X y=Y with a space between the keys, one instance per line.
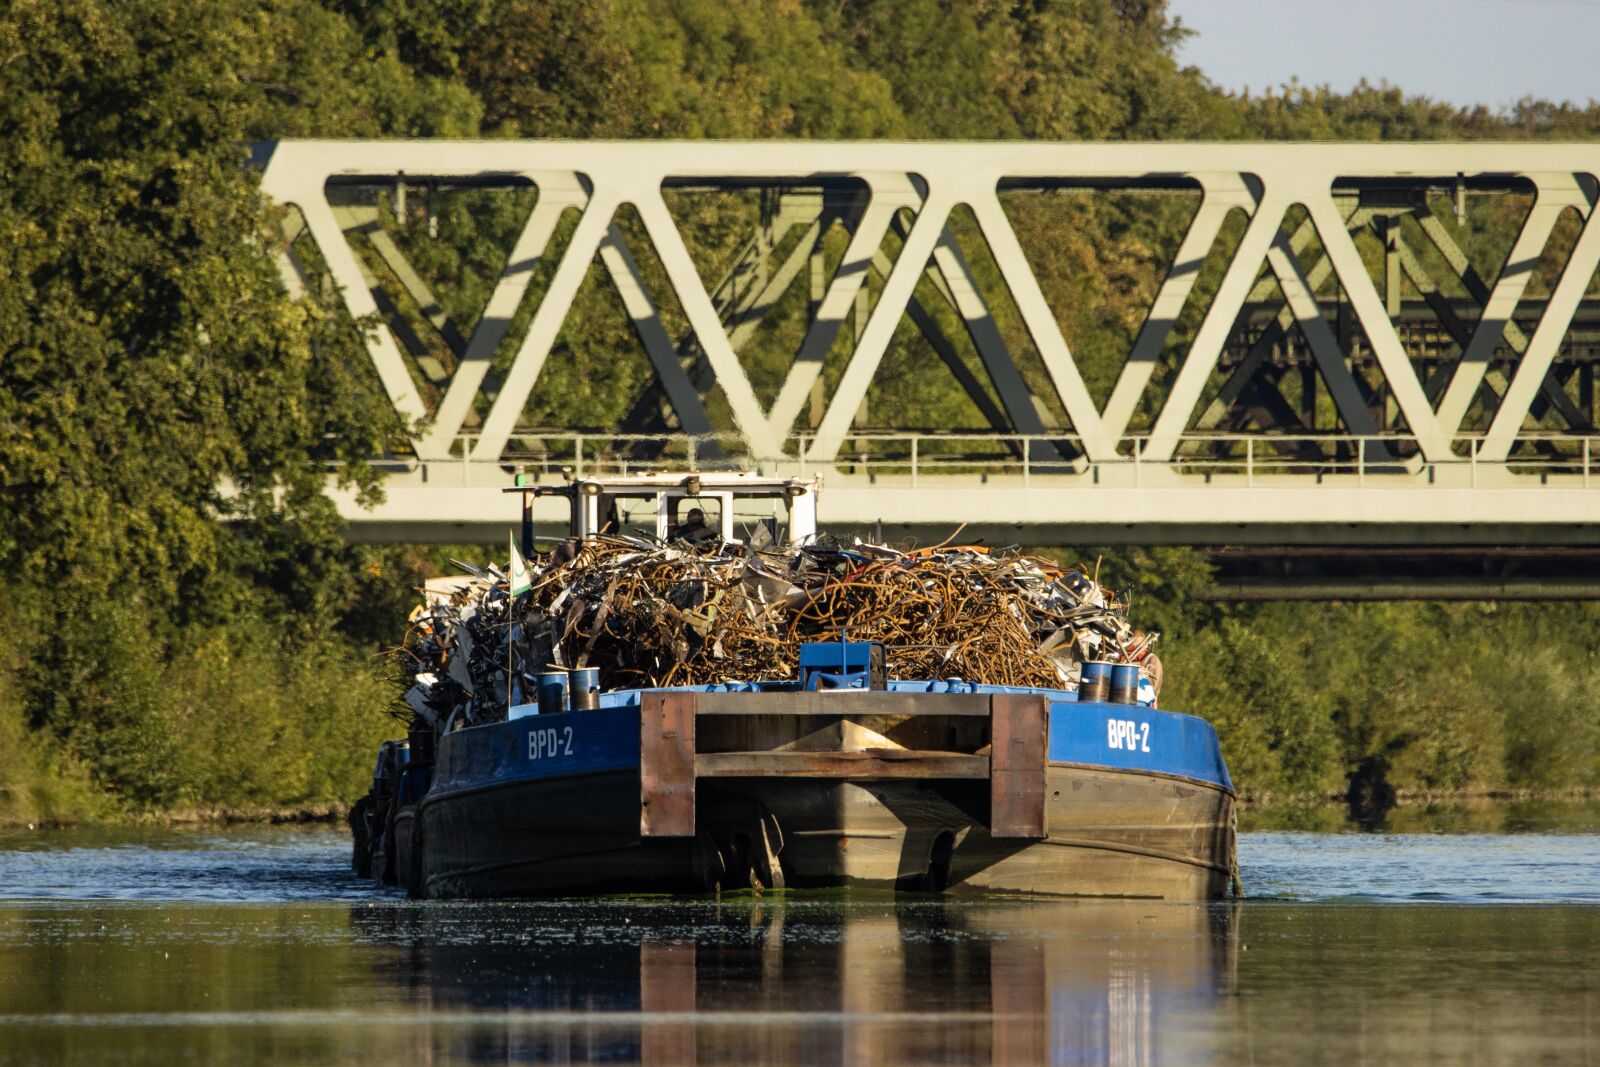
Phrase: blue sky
x=1490 y=52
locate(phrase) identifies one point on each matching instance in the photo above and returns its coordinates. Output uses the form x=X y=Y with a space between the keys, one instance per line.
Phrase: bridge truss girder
x=911 y=190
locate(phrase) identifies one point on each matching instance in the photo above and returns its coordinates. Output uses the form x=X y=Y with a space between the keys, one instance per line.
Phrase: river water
x=258 y=946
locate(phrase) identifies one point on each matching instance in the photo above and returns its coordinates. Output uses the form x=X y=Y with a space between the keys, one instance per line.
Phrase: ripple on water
x=1499 y=868
x=259 y=947
x=301 y=863
x=255 y=864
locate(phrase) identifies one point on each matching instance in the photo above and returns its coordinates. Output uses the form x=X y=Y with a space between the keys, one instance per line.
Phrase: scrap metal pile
x=650 y=615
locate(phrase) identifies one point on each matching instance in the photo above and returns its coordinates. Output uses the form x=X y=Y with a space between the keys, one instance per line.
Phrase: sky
x=1491 y=52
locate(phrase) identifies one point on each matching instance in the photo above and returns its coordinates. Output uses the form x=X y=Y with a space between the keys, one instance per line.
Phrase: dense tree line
x=186 y=626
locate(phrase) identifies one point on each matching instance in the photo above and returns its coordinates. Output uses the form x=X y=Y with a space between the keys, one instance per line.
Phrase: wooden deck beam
x=880 y=763
x=843 y=703
x=1014 y=765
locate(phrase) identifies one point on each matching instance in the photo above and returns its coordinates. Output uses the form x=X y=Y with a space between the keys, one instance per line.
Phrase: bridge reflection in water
x=813 y=982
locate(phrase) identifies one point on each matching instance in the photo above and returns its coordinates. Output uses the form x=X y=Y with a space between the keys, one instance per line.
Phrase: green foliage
x=151 y=359
x=1451 y=697
x=266 y=723
x=155 y=381
x=38 y=782
x=1276 y=732
x=710 y=68
x=188 y=627
x=1072 y=69
x=238 y=715
x=1457 y=697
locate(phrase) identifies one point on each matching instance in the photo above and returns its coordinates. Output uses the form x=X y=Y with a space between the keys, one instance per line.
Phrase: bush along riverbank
x=1343 y=698
x=1370 y=700
x=243 y=706
x=240 y=724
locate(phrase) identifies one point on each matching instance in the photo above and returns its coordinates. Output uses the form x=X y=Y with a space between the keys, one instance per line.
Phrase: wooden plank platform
x=1014 y=764
x=879 y=763
x=847 y=702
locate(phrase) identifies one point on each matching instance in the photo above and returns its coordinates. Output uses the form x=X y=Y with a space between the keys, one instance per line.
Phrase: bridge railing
x=1054 y=458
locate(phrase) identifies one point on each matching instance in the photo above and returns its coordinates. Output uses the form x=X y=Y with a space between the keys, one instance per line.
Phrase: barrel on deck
x=1125 y=683
x=1094 y=681
x=585 y=688
x=552 y=692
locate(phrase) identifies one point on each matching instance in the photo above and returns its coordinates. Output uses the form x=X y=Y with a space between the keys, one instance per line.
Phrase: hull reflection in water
x=258 y=947
x=818 y=982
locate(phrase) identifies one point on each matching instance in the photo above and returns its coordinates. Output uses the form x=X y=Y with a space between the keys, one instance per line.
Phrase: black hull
x=1110 y=833
x=535 y=837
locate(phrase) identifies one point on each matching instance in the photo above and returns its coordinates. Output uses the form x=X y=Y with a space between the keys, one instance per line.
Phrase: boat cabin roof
x=674 y=496
x=743 y=483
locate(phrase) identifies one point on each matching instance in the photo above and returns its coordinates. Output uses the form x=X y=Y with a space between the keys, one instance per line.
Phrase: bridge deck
x=1103 y=505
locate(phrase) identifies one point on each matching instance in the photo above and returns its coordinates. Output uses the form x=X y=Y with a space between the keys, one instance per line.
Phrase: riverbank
x=273 y=718
x=252 y=721
x=1486 y=811
x=310 y=814
x=1403 y=797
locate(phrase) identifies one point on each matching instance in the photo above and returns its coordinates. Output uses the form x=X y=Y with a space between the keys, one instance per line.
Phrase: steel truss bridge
x=1323 y=397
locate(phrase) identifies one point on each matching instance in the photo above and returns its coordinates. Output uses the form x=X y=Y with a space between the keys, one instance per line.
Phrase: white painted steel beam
x=642 y=310
x=931 y=179
x=888 y=195
x=1206 y=351
x=953 y=277
x=881 y=323
x=1300 y=294
x=1535 y=364
x=1220 y=196
x=1223 y=510
x=1554 y=194
x=557 y=194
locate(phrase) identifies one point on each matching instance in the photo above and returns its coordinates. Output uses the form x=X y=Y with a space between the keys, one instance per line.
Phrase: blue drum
x=552 y=692
x=1094 y=681
x=1125 y=683
x=585 y=688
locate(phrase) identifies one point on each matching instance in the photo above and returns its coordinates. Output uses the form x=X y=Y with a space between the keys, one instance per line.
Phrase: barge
x=839 y=776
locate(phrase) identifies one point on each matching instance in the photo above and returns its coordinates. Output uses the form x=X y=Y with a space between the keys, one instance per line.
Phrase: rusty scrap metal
x=650 y=615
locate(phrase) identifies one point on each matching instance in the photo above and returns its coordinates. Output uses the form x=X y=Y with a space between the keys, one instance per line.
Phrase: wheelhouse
x=733 y=507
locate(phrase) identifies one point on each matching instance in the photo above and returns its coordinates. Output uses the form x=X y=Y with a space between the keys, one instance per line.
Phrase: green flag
x=521 y=580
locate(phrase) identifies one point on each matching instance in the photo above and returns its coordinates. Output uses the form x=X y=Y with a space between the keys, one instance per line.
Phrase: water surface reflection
x=848 y=981
x=259 y=948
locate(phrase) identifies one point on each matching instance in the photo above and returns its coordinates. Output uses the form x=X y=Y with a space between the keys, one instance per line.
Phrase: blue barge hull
x=936 y=786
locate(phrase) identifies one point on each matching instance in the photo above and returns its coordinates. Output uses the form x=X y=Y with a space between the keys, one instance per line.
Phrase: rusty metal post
x=666 y=764
x=1019 y=728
